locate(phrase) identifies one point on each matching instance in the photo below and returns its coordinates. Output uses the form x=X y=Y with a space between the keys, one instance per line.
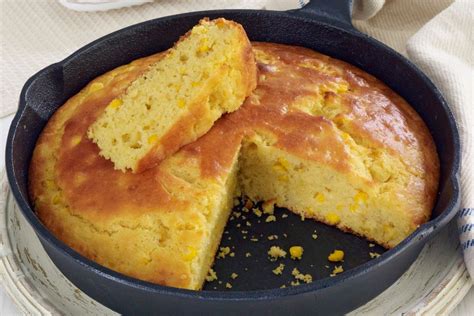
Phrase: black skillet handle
x=334 y=12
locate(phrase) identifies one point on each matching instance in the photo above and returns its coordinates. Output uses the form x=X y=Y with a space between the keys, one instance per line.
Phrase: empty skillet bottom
x=246 y=265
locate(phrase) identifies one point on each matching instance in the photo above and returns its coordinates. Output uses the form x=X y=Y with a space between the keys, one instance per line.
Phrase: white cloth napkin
x=34 y=34
x=444 y=50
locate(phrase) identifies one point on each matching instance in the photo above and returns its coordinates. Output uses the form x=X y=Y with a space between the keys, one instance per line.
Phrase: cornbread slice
x=210 y=71
x=317 y=136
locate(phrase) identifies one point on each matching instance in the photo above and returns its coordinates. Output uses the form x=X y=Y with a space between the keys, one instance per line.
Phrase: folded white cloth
x=444 y=50
x=35 y=34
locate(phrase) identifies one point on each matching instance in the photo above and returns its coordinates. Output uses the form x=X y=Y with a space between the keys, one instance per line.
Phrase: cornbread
x=209 y=71
x=317 y=136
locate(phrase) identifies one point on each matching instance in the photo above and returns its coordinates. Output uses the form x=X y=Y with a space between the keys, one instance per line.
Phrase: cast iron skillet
x=321 y=25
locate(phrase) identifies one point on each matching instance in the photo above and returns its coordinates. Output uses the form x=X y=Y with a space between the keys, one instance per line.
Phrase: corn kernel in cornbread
x=210 y=71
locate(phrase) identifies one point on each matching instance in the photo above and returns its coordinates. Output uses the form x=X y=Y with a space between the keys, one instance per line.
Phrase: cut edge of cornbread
x=218 y=222
x=209 y=71
x=345 y=200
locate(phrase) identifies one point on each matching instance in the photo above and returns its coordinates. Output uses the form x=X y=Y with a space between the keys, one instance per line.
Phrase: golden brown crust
x=91 y=191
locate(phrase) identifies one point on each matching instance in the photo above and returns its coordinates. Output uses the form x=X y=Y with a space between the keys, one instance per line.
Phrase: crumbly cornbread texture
x=317 y=136
x=210 y=71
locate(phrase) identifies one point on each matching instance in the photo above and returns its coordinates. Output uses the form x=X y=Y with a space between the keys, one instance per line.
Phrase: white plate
x=100 y=5
x=434 y=284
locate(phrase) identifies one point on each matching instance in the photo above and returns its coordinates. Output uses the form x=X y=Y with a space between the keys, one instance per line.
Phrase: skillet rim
x=425 y=230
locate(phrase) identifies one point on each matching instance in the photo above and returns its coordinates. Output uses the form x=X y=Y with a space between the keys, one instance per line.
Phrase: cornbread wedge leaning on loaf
x=209 y=71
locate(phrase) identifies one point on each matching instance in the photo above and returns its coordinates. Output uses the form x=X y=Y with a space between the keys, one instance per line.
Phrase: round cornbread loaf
x=318 y=136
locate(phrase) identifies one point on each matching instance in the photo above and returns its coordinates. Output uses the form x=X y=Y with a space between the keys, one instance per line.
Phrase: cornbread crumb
x=283 y=286
x=337 y=270
x=253 y=239
x=248 y=254
x=248 y=204
x=284 y=216
x=272 y=237
x=279 y=270
x=268 y=207
x=295 y=283
x=302 y=216
x=296 y=252
x=234 y=275
x=314 y=236
x=307 y=278
x=371 y=245
x=237 y=214
x=336 y=256
x=244 y=231
x=211 y=275
x=257 y=212
x=224 y=251
x=248 y=223
x=228 y=285
x=270 y=218
x=232 y=254
x=276 y=252
x=374 y=255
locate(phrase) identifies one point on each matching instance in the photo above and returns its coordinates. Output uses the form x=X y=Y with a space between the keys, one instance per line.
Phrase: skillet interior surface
x=50 y=88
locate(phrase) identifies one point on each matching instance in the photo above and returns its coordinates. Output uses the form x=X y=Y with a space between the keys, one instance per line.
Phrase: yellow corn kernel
x=181 y=103
x=333 y=219
x=342 y=87
x=361 y=197
x=194 y=84
x=319 y=197
x=353 y=207
x=284 y=163
x=115 y=103
x=56 y=198
x=95 y=86
x=343 y=120
x=203 y=48
x=75 y=140
x=345 y=136
x=296 y=252
x=152 y=139
x=336 y=256
x=191 y=254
